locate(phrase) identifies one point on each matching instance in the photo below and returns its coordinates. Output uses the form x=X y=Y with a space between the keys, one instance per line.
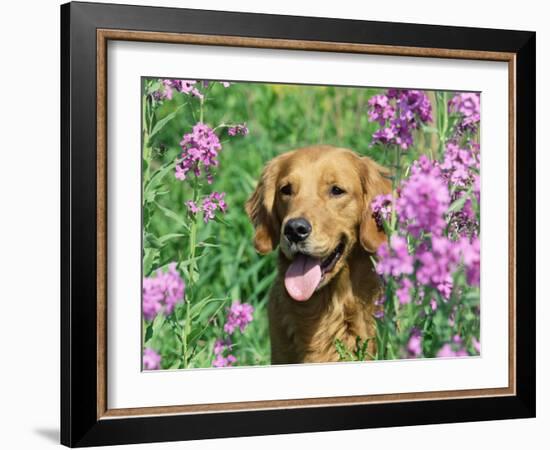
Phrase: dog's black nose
x=296 y=230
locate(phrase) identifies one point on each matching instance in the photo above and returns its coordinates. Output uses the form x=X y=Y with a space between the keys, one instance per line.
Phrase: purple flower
x=220 y=347
x=239 y=315
x=399 y=112
x=404 y=291
x=221 y=361
x=192 y=207
x=187 y=87
x=239 y=129
x=225 y=84
x=161 y=292
x=381 y=209
x=151 y=359
x=438 y=263
x=384 y=136
x=380 y=109
x=394 y=260
x=210 y=204
x=454 y=349
x=458 y=164
x=423 y=201
x=200 y=150
x=414 y=345
x=467 y=106
x=471 y=258
x=165 y=91
x=446 y=352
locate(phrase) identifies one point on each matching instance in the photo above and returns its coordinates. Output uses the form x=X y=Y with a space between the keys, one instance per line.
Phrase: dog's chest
x=340 y=318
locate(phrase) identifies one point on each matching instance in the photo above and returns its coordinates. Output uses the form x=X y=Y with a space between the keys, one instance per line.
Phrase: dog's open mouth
x=306 y=273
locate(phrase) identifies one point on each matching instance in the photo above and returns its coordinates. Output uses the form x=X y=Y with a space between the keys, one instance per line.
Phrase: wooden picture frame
x=86 y=418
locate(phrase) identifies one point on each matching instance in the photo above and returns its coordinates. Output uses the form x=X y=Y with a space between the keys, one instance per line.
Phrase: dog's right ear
x=260 y=209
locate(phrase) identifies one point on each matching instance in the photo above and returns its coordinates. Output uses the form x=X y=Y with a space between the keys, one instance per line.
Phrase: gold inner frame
x=103 y=36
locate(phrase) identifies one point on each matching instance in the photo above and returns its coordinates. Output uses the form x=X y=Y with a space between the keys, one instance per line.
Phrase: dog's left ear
x=375 y=182
x=260 y=209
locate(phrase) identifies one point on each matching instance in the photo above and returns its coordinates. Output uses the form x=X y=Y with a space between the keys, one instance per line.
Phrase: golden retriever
x=314 y=203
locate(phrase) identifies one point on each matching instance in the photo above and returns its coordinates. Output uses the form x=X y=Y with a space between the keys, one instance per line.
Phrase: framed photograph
x=276 y=224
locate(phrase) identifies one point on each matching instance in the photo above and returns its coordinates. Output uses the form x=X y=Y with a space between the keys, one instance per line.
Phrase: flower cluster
x=381 y=208
x=166 y=90
x=239 y=129
x=200 y=150
x=221 y=347
x=399 y=112
x=452 y=349
x=239 y=315
x=460 y=165
x=394 y=260
x=414 y=344
x=424 y=199
x=467 y=106
x=151 y=359
x=161 y=292
x=211 y=203
x=433 y=253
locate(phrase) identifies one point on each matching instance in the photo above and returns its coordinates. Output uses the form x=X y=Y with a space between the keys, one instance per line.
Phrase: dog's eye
x=286 y=189
x=336 y=191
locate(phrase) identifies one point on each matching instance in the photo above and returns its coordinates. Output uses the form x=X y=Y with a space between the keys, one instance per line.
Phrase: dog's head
x=314 y=203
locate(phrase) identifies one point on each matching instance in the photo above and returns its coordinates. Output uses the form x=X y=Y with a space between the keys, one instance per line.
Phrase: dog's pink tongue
x=302 y=277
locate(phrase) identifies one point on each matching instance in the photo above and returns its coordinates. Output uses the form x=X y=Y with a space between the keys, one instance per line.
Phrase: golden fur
x=342 y=307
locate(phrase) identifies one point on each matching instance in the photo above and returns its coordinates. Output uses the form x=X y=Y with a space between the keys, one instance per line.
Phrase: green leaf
x=148 y=333
x=175 y=365
x=158 y=322
x=162 y=122
x=458 y=204
x=172 y=215
x=149 y=188
x=150 y=259
x=170 y=236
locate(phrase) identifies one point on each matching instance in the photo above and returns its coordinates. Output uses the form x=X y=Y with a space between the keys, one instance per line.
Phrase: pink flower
x=424 y=200
x=200 y=150
x=399 y=112
x=220 y=346
x=438 y=264
x=192 y=207
x=404 y=291
x=414 y=345
x=151 y=359
x=446 y=352
x=161 y=292
x=187 y=87
x=239 y=129
x=395 y=259
x=466 y=105
x=239 y=315
x=381 y=209
x=380 y=109
x=471 y=258
x=221 y=361
x=210 y=204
